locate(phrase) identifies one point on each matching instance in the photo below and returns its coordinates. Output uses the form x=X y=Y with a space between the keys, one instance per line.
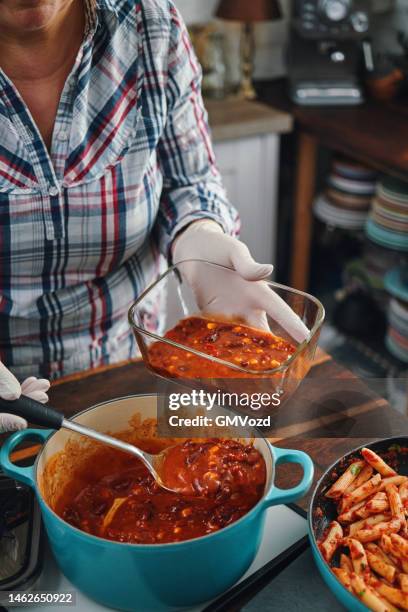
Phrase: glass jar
x=209 y=45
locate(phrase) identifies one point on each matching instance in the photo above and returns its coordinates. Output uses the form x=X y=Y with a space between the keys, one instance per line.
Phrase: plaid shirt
x=84 y=227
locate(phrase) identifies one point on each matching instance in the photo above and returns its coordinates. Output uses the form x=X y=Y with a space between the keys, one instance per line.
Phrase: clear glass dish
x=181 y=303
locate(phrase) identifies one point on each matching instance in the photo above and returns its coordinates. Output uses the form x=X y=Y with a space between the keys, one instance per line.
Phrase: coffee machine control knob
x=335 y=10
x=359 y=21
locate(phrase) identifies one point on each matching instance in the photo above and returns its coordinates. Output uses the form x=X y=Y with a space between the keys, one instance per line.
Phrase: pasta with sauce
x=370 y=533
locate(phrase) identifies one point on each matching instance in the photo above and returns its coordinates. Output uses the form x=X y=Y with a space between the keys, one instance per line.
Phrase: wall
x=197 y=11
x=386 y=26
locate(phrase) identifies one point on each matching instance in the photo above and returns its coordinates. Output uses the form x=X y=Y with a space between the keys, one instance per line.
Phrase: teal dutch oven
x=138 y=577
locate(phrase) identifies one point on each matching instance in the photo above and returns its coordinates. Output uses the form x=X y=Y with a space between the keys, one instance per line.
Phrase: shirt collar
x=91 y=13
x=109 y=5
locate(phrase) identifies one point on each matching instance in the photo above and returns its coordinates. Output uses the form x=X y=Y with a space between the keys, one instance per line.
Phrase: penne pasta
x=377 y=463
x=403 y=492
x=378 y=565
x=344 y=577
x=351 y=514
x=403 y=581
x=400 y=544
x=369 y=522
x=370 y=533
x=376 y=550
x=332 y=540
x=389 y=548
x=369 y=596
x=358 y=555
x=345 y=563
x=345 y=480
x=395 y=596
x=375 y=505
x=397 y=480
x=386 y=546
x=365 y=474
x=400 y=563
x=379 y=496
x=374 y=533
x=396 y=506
x=364 y=491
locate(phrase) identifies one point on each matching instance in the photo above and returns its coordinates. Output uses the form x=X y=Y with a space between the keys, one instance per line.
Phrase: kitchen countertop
x=374 y=133
x=327 y=404
x=233 y=118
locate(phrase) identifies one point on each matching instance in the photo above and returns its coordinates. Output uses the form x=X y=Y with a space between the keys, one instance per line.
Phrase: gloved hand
x=10 y=389
x=242 y=295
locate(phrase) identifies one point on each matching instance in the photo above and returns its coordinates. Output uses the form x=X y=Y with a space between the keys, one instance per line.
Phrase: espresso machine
x=329 y=47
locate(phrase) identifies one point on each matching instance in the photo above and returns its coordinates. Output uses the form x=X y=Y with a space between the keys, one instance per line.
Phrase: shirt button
x=53 y=190
x=62 y=135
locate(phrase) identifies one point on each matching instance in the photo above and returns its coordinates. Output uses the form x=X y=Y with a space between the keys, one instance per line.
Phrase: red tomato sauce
x=241 y=345
x=116 y=497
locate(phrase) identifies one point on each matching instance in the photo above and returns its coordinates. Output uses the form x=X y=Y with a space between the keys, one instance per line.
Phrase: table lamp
x=248 y=12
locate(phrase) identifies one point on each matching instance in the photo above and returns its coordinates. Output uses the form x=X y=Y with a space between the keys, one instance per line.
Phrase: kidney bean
x=194 y=456
x=211 y=482
x=71 y=516
x=222 y=515
x=211 y=337
x=100 y=507
x=146 y=512
x=234 y=345
x=121 y=484
x=252 y=457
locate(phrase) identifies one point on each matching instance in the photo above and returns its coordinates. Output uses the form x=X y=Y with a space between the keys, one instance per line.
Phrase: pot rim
x=259 y=506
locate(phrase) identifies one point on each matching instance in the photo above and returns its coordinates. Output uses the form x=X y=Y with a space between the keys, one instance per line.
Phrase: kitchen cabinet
x=249 y=167
x=247 y=141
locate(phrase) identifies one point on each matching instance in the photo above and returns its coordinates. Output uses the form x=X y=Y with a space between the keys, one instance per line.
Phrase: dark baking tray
x=30 y=538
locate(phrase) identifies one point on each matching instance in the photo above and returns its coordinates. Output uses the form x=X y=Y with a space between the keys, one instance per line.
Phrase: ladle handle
x=32 y=411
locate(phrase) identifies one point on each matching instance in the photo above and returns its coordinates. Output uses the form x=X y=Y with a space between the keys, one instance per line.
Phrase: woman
x=106 y=170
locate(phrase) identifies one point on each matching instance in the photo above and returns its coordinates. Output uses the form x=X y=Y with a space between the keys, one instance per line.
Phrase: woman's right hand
x=10 y=389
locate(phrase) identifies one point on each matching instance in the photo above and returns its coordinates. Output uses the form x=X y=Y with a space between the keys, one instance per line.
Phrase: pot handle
x=22 y=474
x=285 y=496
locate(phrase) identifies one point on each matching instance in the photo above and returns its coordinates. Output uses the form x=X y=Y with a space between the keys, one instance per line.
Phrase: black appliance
x=328 y=46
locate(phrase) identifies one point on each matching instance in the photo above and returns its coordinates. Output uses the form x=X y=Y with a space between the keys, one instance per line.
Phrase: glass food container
x=181 y=303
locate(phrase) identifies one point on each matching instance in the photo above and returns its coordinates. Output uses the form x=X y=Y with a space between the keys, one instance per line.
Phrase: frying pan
x=322 y=511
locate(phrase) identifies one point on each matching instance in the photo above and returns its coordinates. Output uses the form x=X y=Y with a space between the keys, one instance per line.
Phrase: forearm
x=192 y=186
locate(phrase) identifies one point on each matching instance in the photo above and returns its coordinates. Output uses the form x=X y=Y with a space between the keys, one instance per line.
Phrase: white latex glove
x=10 y=389
x=242 y=295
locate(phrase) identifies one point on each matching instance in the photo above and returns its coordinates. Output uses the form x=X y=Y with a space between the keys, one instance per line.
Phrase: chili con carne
x=252 y=349
x=117 y=498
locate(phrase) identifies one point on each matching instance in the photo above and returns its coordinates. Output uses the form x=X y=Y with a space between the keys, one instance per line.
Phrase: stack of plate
x=378 y=261
x=346 y=200
x=388 y=222
x=397 y=335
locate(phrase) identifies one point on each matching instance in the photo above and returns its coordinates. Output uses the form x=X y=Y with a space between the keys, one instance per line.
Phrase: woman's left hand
x=10 y=390
x=244 y=295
